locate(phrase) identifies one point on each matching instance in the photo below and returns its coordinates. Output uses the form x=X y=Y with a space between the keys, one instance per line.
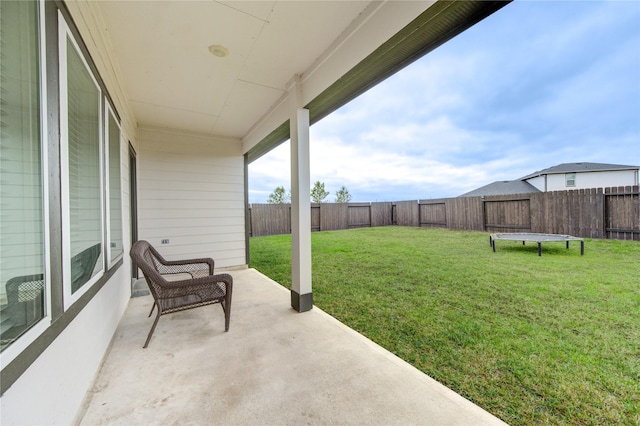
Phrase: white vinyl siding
x=191 y=192
x=603 y=179
x=539 y=182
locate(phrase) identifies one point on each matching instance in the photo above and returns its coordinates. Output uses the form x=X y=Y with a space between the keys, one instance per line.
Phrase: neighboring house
x=583 y=175
x=563 y=177
x=137 y=120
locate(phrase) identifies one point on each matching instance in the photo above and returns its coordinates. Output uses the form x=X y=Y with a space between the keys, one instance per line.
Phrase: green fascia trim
x=273 y=139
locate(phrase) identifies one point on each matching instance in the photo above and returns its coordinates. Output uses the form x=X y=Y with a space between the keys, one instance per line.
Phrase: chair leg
x=153 y=327
x=152 y=307
x=226 y=315
x=226 y=306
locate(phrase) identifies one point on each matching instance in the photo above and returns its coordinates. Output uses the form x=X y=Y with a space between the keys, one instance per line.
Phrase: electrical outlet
x=165 y=241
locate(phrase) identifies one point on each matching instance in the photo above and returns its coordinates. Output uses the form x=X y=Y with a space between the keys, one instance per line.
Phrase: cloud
x=418 y=157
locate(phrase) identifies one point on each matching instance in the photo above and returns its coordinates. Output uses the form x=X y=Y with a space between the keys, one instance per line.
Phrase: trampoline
x=537 y=238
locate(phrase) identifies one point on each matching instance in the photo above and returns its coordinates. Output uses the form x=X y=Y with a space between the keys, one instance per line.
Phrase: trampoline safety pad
x=536 y=238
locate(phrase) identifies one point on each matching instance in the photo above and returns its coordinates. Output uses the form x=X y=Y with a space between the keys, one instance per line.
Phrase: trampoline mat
x=535 y=237
x=524 y=236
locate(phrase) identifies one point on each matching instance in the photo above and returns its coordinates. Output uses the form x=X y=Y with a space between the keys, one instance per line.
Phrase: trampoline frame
x=535 y=237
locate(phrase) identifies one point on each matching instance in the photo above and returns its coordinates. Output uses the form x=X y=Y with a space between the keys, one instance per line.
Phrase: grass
x=533 y=340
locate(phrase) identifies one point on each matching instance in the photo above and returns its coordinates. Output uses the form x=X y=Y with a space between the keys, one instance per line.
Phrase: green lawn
x=552 y=339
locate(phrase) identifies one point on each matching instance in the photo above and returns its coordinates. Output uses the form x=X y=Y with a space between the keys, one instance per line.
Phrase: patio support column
x=301 y=295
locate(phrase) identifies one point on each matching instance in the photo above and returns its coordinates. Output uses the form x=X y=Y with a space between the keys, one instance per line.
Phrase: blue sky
x=536 y=84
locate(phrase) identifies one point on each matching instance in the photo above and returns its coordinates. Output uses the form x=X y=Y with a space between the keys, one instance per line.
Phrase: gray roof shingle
x=578 y=167
x=502 y=187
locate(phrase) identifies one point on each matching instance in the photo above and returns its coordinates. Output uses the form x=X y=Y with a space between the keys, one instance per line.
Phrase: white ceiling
x=173 y=81
x=338 y=48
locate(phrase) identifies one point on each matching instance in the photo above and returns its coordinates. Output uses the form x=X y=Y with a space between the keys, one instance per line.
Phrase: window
x=81 y=153
x=570 y=179
x=114 y=230
x=22 y=246
x=85 y=207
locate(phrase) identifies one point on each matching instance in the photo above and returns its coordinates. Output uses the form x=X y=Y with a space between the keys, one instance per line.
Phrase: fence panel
x=577 y=212
x=465 y=213
x=406 y=213
x=622 y=213
x=270 y=219
x=589 y=214
x=556 y=209
x=315 y=217
x=538 y=212
x=333 y=216
x=433 y=213
x=381 y=214
x=359 y=215
x=507 y=214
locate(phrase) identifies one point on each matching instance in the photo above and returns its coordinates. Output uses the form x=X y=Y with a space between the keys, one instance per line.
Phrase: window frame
x=31 y=334
x=109 y=112
x=570 y=177
x=17 y=358
x=65 y=34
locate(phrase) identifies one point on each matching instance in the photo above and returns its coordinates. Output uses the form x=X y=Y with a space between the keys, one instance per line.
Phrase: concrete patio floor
x=274 y=367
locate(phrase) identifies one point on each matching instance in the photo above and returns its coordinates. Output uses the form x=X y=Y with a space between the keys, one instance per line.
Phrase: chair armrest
x=186 y=287
x=188 y=262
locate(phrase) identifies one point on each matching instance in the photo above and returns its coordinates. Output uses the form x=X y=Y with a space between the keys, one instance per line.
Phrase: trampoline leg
x=493 y=245
x=539 y=248
x=567 y=243
x=581 y=248
x=523 y=243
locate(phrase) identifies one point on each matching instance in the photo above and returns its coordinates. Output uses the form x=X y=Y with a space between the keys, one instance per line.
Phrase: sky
x=536 y=84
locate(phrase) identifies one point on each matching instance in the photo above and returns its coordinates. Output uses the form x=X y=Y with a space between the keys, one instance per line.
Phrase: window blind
x=83 y=139
x=22 y=250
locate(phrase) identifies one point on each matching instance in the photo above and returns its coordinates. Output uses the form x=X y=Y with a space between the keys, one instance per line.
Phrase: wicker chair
x=181 y=284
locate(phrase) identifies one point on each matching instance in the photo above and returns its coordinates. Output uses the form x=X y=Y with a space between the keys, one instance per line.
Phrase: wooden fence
x=589 y=213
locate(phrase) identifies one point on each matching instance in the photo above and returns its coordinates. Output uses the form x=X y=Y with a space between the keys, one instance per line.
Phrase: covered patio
x=142 y=120
x=274 y=366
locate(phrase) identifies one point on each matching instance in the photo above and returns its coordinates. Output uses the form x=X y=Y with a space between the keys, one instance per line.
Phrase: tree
x=318 y=194
x=342 y=195
x=279 y=196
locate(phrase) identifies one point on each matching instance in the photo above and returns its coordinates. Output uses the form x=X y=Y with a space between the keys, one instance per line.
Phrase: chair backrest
x=149 y=261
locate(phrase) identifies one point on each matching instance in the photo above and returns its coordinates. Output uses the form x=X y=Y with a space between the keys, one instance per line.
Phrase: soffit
x=173 y=81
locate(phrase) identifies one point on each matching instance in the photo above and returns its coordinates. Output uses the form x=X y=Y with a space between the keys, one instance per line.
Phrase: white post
x=301 y=295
